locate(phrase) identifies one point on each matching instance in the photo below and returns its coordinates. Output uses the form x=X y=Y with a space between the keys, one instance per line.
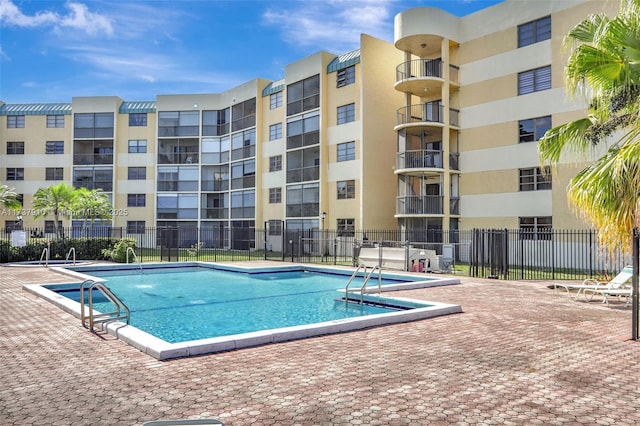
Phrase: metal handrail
x=355 y=273
x=366 y=280
x=71 y=250
x=102 y=317
x=130 y=249
x=45 y=255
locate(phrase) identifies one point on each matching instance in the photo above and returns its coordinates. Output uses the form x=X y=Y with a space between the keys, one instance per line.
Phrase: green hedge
x=85 y=248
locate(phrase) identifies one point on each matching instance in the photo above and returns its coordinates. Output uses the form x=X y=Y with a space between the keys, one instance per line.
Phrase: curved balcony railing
x=416 y=204
x=420 y=159
x=425 y=68
x=420 y=113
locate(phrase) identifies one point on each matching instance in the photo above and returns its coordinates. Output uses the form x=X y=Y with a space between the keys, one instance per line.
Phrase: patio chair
x=589 y=285
x=608 y=292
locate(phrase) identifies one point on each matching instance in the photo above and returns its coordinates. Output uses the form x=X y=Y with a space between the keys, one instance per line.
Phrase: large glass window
x=15 y=148
x=215 y=178
x=535 y=179
x=178 y=151
x=243 y=144
x=215 y=206
x=303 y=131
x=243 y=115
x=303 y=200
x=346 y=151
x=93 y=125
x=93 y=178
x=533 y=129
x=216 y=122
x=243 y=204
x=303 y=165
x=243 y=174
x=215 y=150
x=177 y=206
x=174 y=178
x=534 y=80
x=303 y=95
x=178 y=123
x=534 y=31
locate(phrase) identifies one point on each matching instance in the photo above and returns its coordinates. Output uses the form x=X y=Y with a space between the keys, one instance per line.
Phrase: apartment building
x=435 y=131
x=313 y=150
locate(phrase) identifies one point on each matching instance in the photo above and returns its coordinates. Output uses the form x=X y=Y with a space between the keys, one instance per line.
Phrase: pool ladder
x=367 y=277
x=121 y=312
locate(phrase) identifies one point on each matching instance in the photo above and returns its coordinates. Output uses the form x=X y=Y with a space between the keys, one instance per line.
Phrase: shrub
x=119 y=251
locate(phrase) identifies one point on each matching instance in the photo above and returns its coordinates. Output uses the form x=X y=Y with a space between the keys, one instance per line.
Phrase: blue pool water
x=185 y=304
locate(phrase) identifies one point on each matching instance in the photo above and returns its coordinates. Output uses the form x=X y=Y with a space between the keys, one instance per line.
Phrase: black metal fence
x=495 y=253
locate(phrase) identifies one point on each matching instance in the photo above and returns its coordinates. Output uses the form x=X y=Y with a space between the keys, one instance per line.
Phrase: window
x=303 y=165
x=275 y=163
x=346 y=113
x=137 y=173
x=243 y=174
x=275 y=100
x=533 y=129
x=137 y=146
x=243 y=115
x=275 y=195
x=346 y=227
x=55 y=121
x=346 y=189
x=535 y=179
x=49 y=227
x=138 y=119
x=93 y=178
x=536 y=228
x=135 y=227
x=15 y=173
x=303 y=95
x=54 y=173
x=275 y=227
x=303 y=131
x=136 y=200
x=303 y=200
x=178 y=123
x=243 y=204
x=15 y=148
x=216 y=123
x=534 y=80
x=534 y=31
x=15 y=121
x=93 y=125
x=346 y=151
x=54 y=147
x=275 y=131
x=346 y=76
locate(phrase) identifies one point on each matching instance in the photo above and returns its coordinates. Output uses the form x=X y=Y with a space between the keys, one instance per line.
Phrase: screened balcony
x=419 y=159
x=419 y=204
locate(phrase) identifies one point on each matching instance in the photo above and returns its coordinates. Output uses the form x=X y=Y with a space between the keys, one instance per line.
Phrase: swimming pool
x=193 y=308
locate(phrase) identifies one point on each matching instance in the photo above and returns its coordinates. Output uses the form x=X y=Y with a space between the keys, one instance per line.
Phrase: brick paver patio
x=519 y=354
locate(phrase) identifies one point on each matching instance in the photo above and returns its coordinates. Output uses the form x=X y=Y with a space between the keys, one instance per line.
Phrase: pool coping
x=163 y=350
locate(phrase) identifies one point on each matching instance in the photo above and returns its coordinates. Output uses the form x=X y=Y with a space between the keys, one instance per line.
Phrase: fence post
x=635 y=250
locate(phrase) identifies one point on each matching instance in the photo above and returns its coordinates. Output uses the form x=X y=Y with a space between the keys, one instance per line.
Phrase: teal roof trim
x=137 y=107
x=273 y=87
x=36 y=109
x=344 y=61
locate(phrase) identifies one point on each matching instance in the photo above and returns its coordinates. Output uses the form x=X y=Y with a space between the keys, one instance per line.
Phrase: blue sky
x=53 y=50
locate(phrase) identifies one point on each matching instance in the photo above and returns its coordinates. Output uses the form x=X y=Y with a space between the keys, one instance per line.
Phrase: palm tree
x=604 y=69
x=56 y=200
x=91 y=204
x=9 y=198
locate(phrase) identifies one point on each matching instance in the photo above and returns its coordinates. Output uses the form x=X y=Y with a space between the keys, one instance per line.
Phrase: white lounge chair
x=606 y=293
x=588 y=286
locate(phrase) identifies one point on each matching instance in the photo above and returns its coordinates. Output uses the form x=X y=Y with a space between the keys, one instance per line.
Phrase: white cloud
x=79 y=18
x=335 y=26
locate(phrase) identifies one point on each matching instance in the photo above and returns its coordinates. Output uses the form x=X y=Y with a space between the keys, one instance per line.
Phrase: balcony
x=415 y=205
x=90 y=159
x=454 y=205
x=454 y=161
x=420 y=159
x=420 y=76
x=428 y=113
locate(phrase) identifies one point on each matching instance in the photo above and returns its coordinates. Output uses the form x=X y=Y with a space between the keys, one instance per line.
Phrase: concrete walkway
x=519 y=354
